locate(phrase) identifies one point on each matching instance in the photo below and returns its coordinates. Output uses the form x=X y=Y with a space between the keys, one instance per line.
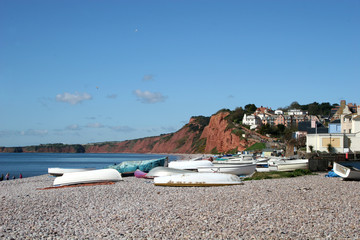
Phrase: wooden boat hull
x=95 y=176
x=165 y=171
x=61 y=171
x=347 y=171
x=198 y=180
x=189 y=165
x=239 y=169
x=129 y=167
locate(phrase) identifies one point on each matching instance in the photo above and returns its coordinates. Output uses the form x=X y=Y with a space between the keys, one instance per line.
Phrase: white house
x=251 y=120
x=296 y=112
x=279 y=112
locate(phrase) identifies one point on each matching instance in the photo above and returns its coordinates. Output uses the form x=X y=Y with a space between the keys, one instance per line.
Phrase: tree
x=237 y=115
x=330 y=148
x=301 y=142
x=295 y=105
x=281 y=128
x=311 y=148
x=314 y=109
x=250 y=108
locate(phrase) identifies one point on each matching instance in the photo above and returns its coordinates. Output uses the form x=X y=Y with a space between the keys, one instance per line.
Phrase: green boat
x=129 y=167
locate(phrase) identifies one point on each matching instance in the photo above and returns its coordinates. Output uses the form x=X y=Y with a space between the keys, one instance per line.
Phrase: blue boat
x=129 y=167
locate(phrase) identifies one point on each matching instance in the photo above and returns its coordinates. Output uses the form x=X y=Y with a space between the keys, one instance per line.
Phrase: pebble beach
x=307 y=207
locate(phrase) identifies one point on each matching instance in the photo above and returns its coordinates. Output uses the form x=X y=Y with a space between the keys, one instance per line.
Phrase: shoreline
x=307 y=207
x=13 y=170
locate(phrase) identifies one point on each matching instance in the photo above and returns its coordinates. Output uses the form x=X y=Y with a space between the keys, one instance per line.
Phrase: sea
x=35 y=164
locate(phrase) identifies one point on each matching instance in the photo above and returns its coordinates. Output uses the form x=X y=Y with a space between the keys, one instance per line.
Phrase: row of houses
x=265 y=115
x=342 y=134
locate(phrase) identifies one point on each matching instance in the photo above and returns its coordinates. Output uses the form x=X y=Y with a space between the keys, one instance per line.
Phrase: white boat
x=61 y=171
x=347 y=170
x=284 y=165
x=262 y=165
x=198 y=180
x=189 y=164
x=237 y=169
x=95 y=176
x=236 y=159
x=165 y=171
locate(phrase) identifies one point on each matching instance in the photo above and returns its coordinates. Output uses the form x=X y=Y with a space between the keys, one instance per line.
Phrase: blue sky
x=92 y=71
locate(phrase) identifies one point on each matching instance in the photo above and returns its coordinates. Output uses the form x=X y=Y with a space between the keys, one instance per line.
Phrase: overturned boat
x=165 y=171
x=348 y=170
x=61 y=171
x=198 y=180
x=95 y=176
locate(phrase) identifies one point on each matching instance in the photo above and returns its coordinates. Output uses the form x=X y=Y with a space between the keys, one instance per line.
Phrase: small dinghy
x=95 y=176
x=189 y=164
x=165 y=171
x=287 y=165
x=61 y=171
x=198 y=180
x=347 y=170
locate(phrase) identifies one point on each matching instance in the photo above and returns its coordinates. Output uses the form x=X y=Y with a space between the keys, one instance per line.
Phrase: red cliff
x=220 y=137
x=200 y=135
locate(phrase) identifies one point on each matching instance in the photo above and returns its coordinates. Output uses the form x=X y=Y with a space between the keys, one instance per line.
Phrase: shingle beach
x=308 y=207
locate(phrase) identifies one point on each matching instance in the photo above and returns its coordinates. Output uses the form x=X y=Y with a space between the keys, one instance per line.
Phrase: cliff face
x=182 y=141
x=200 y=135
x=218 y=136
x=194 y=137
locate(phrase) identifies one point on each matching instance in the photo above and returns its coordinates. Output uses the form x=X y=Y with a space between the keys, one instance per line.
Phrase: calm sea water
x=35 y=164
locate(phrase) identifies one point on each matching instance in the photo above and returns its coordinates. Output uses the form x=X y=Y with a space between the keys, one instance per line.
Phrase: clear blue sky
x=92 y=71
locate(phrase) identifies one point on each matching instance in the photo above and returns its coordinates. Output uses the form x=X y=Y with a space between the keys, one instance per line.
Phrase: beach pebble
x=308 y=207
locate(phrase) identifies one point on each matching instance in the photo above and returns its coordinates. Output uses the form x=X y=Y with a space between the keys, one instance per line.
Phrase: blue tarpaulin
x=332 y=174
x=145 y=165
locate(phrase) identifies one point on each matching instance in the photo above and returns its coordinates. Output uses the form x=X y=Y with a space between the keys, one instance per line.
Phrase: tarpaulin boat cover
x=145 y=165
x=332 y=174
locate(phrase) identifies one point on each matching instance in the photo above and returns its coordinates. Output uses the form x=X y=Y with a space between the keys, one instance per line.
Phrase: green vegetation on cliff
x=256 y=146
x=198 y=124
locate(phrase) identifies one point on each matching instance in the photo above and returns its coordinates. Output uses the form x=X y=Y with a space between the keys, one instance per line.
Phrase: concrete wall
x=340 y=142
x=320 y=142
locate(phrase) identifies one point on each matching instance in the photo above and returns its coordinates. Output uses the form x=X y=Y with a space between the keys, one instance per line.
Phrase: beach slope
x=305 y=207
